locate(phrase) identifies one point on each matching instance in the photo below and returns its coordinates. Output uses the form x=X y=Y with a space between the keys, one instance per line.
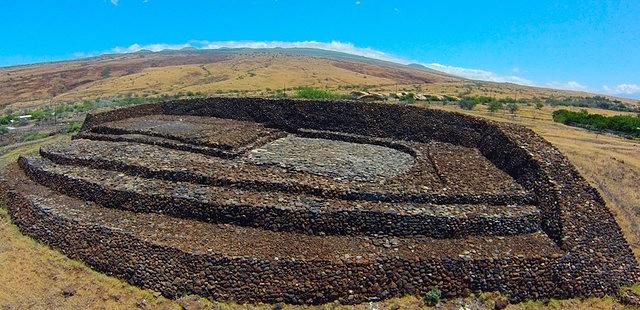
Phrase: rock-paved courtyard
x=337 y=159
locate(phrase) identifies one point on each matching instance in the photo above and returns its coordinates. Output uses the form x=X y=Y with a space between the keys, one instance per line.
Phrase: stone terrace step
x=175 y=165
x=280 y=211
x=221 y=261
x=163 y=142
x=225 y=134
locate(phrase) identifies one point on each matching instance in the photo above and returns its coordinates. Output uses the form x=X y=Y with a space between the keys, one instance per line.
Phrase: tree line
x=627 y=125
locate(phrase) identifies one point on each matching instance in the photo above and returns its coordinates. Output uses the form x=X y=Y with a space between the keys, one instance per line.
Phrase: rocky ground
x=336 y=159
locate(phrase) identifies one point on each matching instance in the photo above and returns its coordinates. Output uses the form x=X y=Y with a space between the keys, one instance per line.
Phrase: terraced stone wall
x=396 y=122
x=588 y=255
x=351 y=280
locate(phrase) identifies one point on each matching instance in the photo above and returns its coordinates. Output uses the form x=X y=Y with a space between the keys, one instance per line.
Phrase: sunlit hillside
x=247 y=72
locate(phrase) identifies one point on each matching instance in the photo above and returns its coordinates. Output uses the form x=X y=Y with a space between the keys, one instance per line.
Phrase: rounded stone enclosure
x=252 y=199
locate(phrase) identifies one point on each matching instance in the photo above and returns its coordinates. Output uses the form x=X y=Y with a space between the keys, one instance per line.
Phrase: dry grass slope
x=214 y=72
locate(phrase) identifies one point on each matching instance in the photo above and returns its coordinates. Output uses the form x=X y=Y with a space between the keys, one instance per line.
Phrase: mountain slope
x=250 y=71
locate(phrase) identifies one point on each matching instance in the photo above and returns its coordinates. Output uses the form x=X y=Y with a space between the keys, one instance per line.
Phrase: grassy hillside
x=239 y=71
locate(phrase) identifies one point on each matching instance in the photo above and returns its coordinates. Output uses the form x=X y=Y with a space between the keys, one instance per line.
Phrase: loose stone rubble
x=307 y=202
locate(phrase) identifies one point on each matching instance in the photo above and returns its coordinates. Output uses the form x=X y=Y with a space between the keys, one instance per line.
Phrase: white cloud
x=622 y=89
x=149 y=47
x=83 y=55
x=335 y=46
x=115 y=2
x=570 y=85
x=357 y=2
x=479 y=74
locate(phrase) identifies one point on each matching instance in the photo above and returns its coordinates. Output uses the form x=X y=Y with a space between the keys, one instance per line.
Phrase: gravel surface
x=343 y=161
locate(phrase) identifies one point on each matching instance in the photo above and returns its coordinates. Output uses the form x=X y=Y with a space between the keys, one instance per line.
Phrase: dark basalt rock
x=307 y=202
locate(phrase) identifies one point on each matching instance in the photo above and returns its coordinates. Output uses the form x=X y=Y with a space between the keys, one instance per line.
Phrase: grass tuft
x=315 y=93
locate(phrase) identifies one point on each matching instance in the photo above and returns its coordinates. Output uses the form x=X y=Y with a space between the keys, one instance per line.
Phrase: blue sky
x=572 y=44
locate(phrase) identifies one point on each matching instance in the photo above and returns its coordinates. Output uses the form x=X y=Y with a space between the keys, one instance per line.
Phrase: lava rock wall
x=595 y=259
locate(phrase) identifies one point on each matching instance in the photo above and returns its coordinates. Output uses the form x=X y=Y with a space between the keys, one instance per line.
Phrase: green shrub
x=129 y=101
x=72 y=127
x=408 y=98
x=625 y=124
x=592 y=102
x=36 y=135
x=432 y=98
x=512 y=107
x=6 y=119
x=507 y=100
x=84 y=106
x=314 y=93
x=59 y=109
x=39 y=115
x=448 y=98
x=466 y=104
x=481 y=99
x=3 y=130
x=433 y=296
x=494 y=106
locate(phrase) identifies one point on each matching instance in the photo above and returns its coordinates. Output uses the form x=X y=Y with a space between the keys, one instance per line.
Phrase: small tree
x=466 y=104
x=539 y=105
x=512 y=107
x=494 y=106
x=409 y=98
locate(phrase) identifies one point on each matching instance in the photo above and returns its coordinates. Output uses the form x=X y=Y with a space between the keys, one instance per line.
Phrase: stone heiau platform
x=308 y=202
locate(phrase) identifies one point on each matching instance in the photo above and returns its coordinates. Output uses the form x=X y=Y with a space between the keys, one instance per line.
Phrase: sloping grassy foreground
x=34 y=276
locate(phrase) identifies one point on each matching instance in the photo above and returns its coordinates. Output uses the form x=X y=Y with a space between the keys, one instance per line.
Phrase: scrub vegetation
x=627 y=125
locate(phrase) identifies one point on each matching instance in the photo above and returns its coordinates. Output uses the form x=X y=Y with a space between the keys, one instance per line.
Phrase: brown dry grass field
x=35 y=276
x=31 y=86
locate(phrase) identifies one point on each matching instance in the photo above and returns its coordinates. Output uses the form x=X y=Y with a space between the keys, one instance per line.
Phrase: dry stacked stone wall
x=221 y=197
